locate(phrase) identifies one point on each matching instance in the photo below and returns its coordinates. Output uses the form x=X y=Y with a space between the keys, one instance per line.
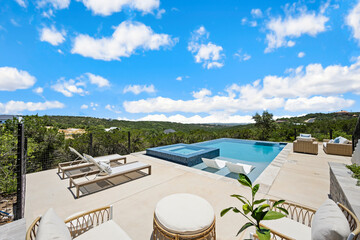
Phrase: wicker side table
x=182 y=217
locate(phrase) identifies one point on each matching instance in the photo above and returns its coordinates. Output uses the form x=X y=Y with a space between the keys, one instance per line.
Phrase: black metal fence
x=356 y=134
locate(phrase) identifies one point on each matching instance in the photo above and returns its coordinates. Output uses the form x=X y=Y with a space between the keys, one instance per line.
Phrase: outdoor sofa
x=81 y=162
x=305 y=144
x=104 y=172
x=338 y=146
x=91 y=225
x=331 y=221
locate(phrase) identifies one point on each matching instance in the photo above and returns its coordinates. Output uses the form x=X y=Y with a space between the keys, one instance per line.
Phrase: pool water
x=184 y=151
x=258 y=154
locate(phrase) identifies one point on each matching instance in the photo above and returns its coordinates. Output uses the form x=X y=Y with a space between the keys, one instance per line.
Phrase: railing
x=356 y=134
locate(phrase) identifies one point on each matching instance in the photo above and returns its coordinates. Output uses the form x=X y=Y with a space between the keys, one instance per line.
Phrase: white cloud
x=14 y=107
x=353 y=20
x=208 y=53
x=108 y=7
x=212 y=118
x=202 y=93
x=245 y=21
x=256 y=13
x=298 y=90
x=180 y=78
x=14 y=22
x=39 y=90
x=12 y=79
x=94 y=106
x=301 y=54
x=317 y=103
x=56 y=4
x=70 y=87
x=242 y=56
x=112 y=108
x=22 y=3
x=137 y=89
x=52 y=35
x=160 y=13
x=282 y=29
x=126 y=39
x=84 y=106
x=98 y=80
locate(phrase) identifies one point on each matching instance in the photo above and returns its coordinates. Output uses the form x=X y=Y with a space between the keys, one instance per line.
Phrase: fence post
x=91 y=144
x=20 y=174
x=331 y=132
x=353 y=143
x=129 y=143
x=295 y=134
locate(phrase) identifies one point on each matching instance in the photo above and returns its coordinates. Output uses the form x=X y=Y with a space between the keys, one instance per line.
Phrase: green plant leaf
x=235 y=210
x=239 y=197
x=255 y=189
x=258 y=215
x=224 y=211
x=262 y=207
x=245 y=226
x=283 y=210
x=263 y=234
x=259 y=201
x=246 y=208
x=278 y=202
x=244 y=180
x=272 y=215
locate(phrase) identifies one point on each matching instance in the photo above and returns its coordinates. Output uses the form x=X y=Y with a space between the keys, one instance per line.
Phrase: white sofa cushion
x=184 y=213
x=329 y=223
x=289 y=228
x=52 y=227
x=108 y=230
x=343 y=140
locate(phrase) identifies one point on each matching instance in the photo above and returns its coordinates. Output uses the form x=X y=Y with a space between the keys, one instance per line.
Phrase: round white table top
x=184 y=213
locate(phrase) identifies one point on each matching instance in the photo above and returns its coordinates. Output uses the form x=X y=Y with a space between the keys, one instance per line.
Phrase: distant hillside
x=324 y=116
x=85 y=122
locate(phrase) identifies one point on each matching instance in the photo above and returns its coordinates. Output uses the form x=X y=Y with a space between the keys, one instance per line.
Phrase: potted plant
x=255 y=210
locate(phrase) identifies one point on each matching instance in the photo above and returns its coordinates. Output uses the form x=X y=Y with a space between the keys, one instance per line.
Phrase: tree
x=265 y=124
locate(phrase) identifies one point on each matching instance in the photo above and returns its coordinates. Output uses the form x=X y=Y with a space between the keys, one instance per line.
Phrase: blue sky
x=183 y=61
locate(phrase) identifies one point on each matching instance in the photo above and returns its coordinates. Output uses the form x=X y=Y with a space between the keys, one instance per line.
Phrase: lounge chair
x=331 y=221
x=104 y=172
x=239 y=167
x=81 y=162
x=338 y=146
x=95 y=224
x=214 y=163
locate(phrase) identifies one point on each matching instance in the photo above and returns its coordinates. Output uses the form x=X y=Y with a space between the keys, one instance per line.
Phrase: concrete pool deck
x=301 y=178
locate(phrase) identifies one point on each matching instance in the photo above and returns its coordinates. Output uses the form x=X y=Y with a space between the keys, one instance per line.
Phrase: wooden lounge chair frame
x=98 y=178
x=78 y=224
x=79 y=163
x=304 y=216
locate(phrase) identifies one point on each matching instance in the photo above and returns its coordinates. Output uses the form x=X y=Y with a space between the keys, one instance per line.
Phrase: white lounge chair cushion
x=105 y=167
x=108 y=230
x=52 y=227
x=214 y=163
x=289 y=228
x=239 y=167
x=329 y=223
x=127 y=167
x=108 y=158
x=184 y=213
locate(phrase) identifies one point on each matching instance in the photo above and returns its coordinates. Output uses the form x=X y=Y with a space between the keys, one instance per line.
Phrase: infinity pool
x=257 y=153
